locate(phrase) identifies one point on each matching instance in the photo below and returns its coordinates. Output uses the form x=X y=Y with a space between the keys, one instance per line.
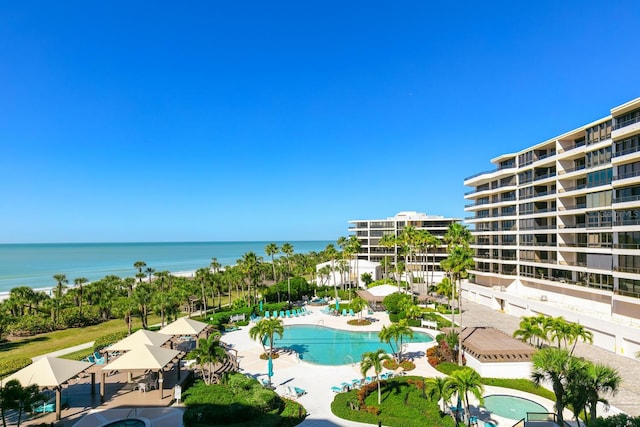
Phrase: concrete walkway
x=628 y=397
x=65 y=351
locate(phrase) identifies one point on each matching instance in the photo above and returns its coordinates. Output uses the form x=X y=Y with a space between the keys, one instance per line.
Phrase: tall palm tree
x=61 y=282
x=396 y=332
x=373 y=359
x=353 y=248
x=390 y=241
x=203 y=277
x=287 y=249
x=208 y=352
x=139 y=265
x=555 y=366
x=460 y=259
x=358 y=304
x=578 y=332
x=272 y=250
x=331 y=253
x=266 y=329
x=407 y=240
x=78 y=282
x=249 y=266
x=464 y=381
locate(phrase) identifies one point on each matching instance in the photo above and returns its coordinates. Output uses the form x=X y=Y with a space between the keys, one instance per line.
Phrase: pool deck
x=289 y=371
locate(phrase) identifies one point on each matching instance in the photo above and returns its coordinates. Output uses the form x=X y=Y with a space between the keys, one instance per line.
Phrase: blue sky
x=251 y=120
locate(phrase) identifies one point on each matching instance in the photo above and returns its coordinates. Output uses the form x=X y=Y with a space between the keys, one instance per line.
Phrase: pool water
x=328 y=346
x=512 y=407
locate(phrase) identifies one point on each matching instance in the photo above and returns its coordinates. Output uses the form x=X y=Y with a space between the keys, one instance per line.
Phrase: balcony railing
x=627 y=246
x=627 y=151
x=546 y=175
x=627 y=175
x=626 y=199
x=629 y=122
x=623 y=222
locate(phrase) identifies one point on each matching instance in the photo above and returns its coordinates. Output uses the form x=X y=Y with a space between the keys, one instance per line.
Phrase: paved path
x=65 y=350
x=628 y=397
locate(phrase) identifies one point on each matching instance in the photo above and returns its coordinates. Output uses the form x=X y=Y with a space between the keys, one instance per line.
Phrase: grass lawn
x=402 y=405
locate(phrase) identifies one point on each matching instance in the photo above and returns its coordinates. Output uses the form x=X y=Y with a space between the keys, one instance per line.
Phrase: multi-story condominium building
x=560 y=221
x=370 y=231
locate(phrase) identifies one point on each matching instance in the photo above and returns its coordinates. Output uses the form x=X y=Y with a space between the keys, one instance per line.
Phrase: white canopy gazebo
x=139 y=338
x=49 y=372
x=141 y=358
x=184 y=326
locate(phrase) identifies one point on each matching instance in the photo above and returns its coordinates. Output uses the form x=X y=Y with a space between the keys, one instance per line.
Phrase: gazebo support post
x=93 y=383
x=104 y=378
x=58 y=399
x=129 y=377
x=160 y=382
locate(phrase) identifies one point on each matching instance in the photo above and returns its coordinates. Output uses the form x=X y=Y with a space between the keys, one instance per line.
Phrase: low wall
x=499 y=369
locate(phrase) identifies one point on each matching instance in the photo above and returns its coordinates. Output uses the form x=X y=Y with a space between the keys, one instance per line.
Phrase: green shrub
x=30 y=325
x=448 y=368
x=414 y=322
x=394 y=302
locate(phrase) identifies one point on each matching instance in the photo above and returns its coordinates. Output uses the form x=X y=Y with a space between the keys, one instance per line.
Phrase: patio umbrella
x=139 y=338
x=49 y=372
x=337 y=304
x=261 y=305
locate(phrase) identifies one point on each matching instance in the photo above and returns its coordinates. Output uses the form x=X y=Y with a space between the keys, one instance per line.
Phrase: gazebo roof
x=138 y=338
x=491 y=345
x=184 y=326
x=49 y=372
x=143 y=357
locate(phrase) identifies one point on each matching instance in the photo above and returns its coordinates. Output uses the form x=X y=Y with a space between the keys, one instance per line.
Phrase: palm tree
x=391 y=241
x=555 y=366
x=287 y=249
x=62 y=281
x=601 y=379
x=331 y=253
x=358 y=304
x=271 y=250
x=460 y=259
x=529 y=329
x=266 y=329
x=249 y=264
x=209 y=351
x=578 y=331
x=203 y=277
x=139 y=265
x=439 y=388
x=396 y=333
x=353 y=249
x=14 y=396
x=373 y=359
x=465 y=381
x=78 y=282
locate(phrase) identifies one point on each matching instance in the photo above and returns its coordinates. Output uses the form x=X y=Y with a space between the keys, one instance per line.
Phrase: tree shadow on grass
x=12 y=345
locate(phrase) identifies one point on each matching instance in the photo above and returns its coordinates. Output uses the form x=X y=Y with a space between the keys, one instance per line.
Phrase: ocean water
x=34 y=265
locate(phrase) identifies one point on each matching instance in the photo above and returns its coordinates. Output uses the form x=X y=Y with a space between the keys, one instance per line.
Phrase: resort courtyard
x=290 y=372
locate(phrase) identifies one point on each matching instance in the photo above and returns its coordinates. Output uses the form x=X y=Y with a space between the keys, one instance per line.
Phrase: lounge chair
x=344 y=311
x=473 y=420
x=368 y=380
x=98 y=360
x=288 y=313
x=282 y=314
x=336 y=389
x=351 y=313
x=488 y=424
x=299 y=391
x=356 y=383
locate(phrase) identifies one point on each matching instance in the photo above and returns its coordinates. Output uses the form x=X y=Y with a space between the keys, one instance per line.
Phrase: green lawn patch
x=403 y=405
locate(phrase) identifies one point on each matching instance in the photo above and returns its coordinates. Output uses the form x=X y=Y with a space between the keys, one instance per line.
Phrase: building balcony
x=628 y=127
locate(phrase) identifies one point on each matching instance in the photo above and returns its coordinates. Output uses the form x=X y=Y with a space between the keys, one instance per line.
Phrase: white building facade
x=370 y=231
x=339 y=272
x=559 y=222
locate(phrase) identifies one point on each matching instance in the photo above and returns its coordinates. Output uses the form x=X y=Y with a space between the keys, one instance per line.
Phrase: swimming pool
x=512 y=407
x=328 y=346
